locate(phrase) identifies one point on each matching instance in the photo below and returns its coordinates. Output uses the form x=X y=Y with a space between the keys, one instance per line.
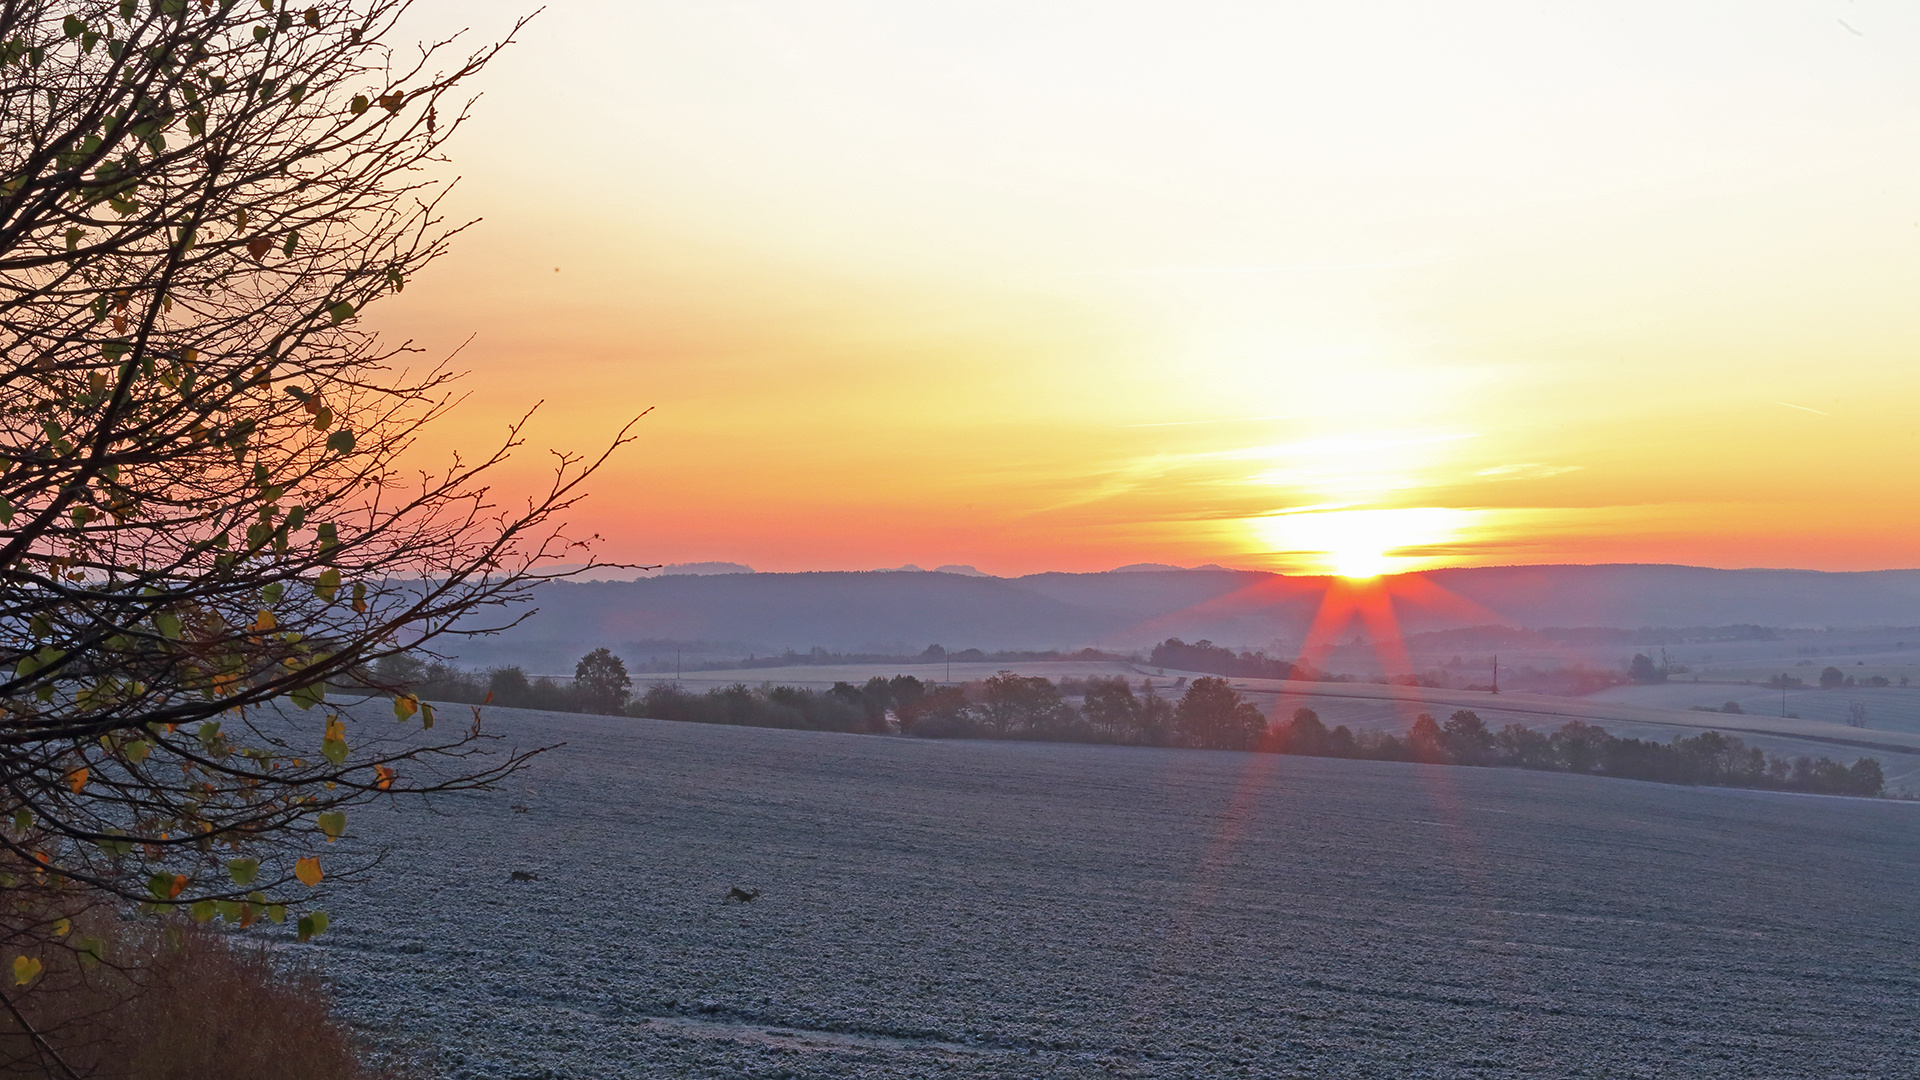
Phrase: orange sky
x=1069 y=285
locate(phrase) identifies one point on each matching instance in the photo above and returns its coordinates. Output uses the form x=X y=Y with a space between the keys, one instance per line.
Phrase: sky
x=1318 y=288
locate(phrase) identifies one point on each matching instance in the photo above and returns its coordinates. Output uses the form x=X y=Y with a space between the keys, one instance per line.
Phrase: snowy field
x=1032 y=910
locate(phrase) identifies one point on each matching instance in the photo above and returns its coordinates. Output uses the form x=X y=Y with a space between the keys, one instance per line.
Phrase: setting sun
x=1360 y=543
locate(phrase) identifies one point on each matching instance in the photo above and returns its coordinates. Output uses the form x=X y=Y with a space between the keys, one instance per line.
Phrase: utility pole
x=1496 y=673
x=1783 y=695
x=676 y=665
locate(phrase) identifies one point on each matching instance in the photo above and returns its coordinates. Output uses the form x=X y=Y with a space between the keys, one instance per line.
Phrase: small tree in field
x=203 y=510
x=601 y=681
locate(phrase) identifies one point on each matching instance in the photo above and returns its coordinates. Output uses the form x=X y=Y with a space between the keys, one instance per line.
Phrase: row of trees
x=1210 y=714
x=1709 y=758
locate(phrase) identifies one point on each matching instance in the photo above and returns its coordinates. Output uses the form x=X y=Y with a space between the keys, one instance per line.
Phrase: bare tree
x=204 y=506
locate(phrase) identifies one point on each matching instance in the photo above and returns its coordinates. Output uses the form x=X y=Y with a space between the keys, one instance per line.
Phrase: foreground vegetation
x=173 y=1000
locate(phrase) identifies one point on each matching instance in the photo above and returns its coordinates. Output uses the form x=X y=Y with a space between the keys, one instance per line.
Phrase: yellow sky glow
x=1068 y=285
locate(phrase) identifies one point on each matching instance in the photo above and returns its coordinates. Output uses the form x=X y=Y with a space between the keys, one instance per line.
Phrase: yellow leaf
x=179 y=886
x=61 y=926
x=77 y=779
x=264 y=620
x=25 y=970
x=308 y=871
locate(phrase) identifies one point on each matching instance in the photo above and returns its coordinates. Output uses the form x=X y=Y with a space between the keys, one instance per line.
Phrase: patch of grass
x=175 y=1002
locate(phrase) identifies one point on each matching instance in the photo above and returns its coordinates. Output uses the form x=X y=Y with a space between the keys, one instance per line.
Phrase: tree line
x=1709 y=758
x=1208 y=714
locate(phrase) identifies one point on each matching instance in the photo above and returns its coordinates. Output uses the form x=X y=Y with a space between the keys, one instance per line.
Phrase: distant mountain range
x=719 y=615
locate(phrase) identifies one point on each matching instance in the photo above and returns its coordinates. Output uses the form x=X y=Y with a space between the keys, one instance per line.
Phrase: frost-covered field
x=1035 y=910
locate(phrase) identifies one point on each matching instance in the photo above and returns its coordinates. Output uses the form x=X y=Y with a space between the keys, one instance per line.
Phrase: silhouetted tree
x=1467 y=740
x=1211 y=714
x=601 y=681
x=1109 y=705
x=1832 y=678
x=1303 y=733
x=1014 y=704
x=1643 y=670
x=508 y=685
x=1426 y=741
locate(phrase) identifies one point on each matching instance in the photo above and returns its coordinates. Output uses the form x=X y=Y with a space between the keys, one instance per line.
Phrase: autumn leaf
x=384 y=777
x=333 y=746
x=25 y=970
x=257 y=247
x=333 y=824
x=404 y=706
x=243 y=871
x=61 y=927
x=77 y=779
x=178 y=886
x=308 y=871
x=263 y=621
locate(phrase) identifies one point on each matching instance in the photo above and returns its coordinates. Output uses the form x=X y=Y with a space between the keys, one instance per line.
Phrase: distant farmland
x=1016 y=910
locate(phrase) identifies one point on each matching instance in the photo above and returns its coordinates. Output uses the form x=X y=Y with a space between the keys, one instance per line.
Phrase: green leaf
x=359 y=105
x=277 y=913
x=272 y=591
x=168 y=624
x=22 y=820
x=91 y=950
x=293 y=241
x=333 y=824
x=306 y=697
x=227 y=909
x=160 y=886
x=312 y=923
x=340 y=312
x=202 y=910
x=328 y=584
x=74 y=27
x=137 y=750
x=329 y=536
x=340 y=442
x=243 y=871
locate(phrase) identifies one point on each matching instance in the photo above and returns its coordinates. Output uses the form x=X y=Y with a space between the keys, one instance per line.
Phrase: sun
x=1357 y=543
x=1358 y=562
